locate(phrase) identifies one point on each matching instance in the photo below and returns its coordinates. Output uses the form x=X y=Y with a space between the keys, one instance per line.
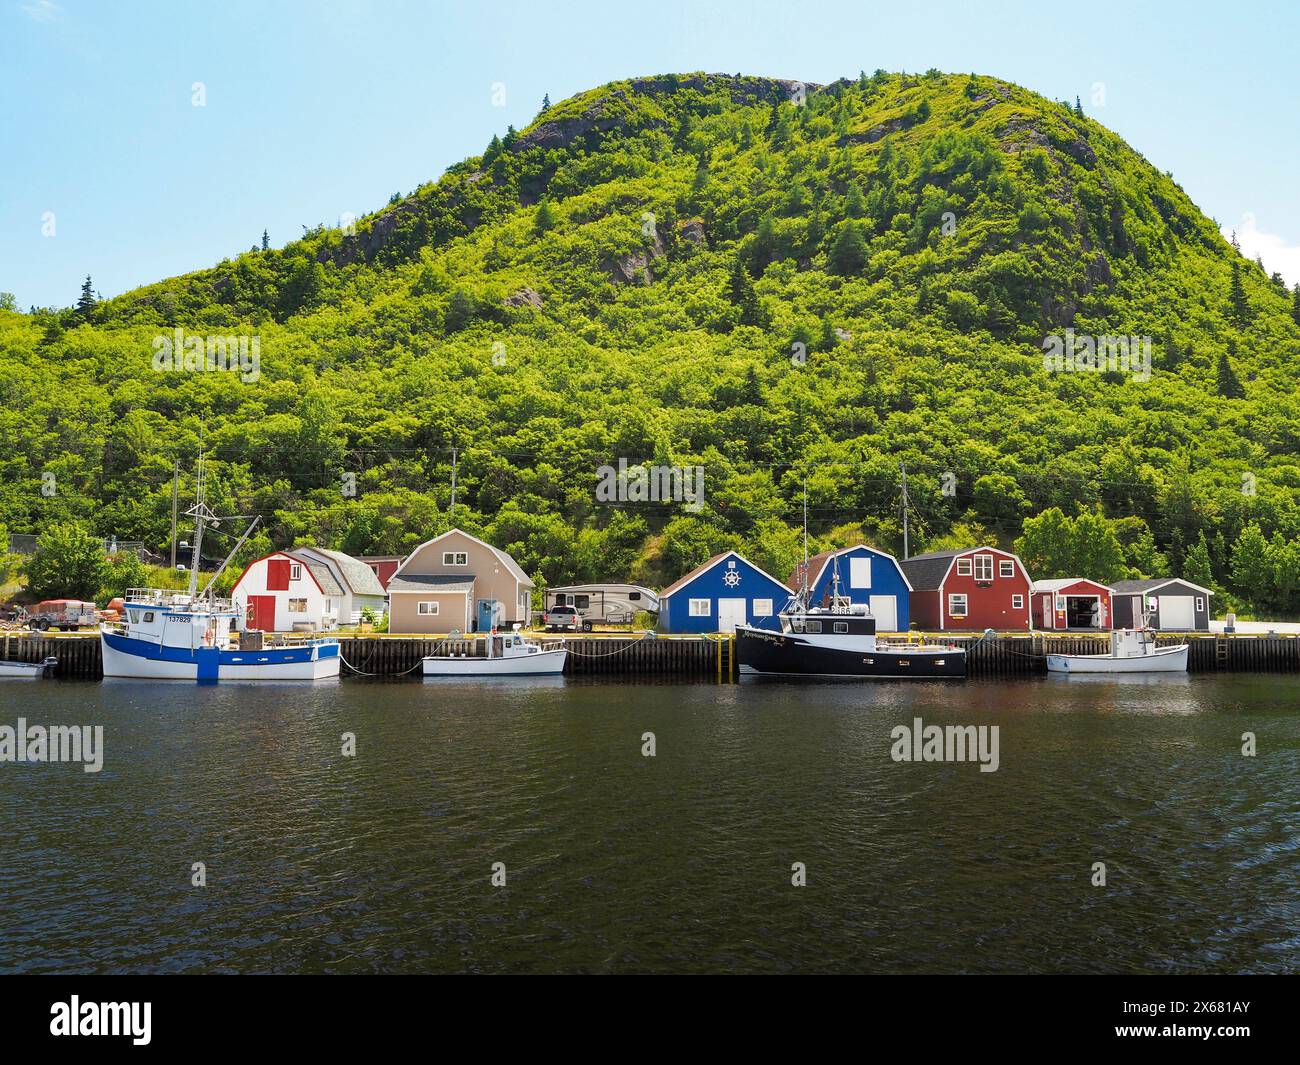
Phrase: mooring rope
x=607 y=654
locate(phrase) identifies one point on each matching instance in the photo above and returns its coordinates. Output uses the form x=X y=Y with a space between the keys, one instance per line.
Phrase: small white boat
x=1131 y=651
x=27 y=670
x=508 y=655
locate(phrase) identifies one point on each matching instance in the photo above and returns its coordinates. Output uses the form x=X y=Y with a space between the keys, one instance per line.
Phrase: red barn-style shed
x=972 y=589
x=1071 y=603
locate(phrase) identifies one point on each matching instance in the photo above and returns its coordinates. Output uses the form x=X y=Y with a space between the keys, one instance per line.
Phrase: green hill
x=769 y=281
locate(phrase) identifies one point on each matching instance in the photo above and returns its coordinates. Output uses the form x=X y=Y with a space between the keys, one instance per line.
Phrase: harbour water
x=382 y=861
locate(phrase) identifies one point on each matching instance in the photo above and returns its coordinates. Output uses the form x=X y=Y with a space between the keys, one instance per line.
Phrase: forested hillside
x=769 y=281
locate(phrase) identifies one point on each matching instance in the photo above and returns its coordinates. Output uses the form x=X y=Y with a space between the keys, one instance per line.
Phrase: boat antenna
x=803 y=581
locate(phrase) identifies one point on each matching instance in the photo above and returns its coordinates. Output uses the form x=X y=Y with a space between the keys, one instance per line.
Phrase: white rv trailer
x=604 y=604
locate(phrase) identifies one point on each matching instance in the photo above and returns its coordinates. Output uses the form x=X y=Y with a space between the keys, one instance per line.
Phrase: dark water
x=681 y=862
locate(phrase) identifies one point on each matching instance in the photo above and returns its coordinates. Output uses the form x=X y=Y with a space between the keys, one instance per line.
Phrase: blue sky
x=322 y=107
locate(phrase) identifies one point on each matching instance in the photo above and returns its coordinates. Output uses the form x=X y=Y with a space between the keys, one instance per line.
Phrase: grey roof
x=926 y=572
x=430 y=582
x=1152 y=583
x=1057 y=583
x=360 y=578
x=321 y=572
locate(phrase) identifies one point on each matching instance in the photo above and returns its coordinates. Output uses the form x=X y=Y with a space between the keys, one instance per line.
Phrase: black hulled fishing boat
x=838 y=640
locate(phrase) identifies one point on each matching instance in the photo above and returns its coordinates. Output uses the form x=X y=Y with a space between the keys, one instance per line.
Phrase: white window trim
x=762 y=608
x=1008 y=565
x=979 y=561
x=449 y=558
x=1200 y=603
x=700 y=608
x=420 y=610
x=1017 y=602
x=295 y=571
x=964 y=562
x=953 y=612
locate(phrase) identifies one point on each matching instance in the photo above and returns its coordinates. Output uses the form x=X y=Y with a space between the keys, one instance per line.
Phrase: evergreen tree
x=1295 y=303
x=829 y=338
x=266 y=241
x=741 y=291
x=1196 y=566
x=1238 y=308
x=1078 y=107
x=86 y=302
x=848 y=254
x=544 y=220
x=546 y=103
x=1229 y=386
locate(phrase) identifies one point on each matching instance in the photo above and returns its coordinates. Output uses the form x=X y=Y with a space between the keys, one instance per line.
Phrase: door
x=884 y=608
x=731 y=612
x=489 y=614
x=277 y=575
x=261 y=612
x=1177 y=612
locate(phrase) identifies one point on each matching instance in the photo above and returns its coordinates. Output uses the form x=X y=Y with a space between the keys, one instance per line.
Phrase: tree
x=1229 y=385
x=1078 y=107
x=1252 y=572
x=546 y=103
x=741 y=290
x=544 y=220
x=86 y=302
x=1196 y=566
x=1295 y=303
x=1238 y=307
x=848 y=253
x=68 y=563
x=120 y=573
x=266 y=241
x=1045 y=544
x=9 y=302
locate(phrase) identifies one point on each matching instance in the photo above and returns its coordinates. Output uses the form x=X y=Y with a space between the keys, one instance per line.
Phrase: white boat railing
x=174 y=599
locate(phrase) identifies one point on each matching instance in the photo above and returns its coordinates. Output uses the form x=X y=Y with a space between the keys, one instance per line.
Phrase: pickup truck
x=565 y=617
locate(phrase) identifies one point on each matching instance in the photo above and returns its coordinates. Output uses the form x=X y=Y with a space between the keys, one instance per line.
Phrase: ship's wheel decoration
x=731 y=578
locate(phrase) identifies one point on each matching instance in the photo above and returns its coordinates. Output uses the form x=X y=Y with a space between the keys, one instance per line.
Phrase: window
x=427 y=608
x=983 y=567
x=840 y=626
x=634 y=597
x=561 y=599
x=957 y=605
x=295 y=571
x=1060 y=604
x=1200 y=603
x=859 y=573
x=1017 y=602
x=582 y=602
x=148 y=617
x=297 y=606
x=455 y=558
x=701 y=608
x=963 y=567
x=762 y=608
x=1006 y=568
x=813 y=626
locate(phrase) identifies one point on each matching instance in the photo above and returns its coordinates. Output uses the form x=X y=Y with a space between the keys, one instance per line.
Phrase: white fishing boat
x=27 y=670
x=164 y=634
x=1131 y=651
x=508 y=655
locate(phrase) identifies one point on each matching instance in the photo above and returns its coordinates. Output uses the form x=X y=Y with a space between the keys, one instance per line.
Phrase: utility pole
x=176 y=476
x=452 y=511
x=903 y=470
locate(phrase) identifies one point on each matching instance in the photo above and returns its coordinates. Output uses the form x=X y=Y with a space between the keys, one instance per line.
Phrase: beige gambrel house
x=457 y=582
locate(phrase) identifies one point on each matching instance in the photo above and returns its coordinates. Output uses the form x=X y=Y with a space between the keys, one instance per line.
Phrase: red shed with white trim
x=972 y=589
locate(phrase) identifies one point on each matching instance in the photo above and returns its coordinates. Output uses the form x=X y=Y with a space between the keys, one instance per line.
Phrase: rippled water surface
x=681 y=862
